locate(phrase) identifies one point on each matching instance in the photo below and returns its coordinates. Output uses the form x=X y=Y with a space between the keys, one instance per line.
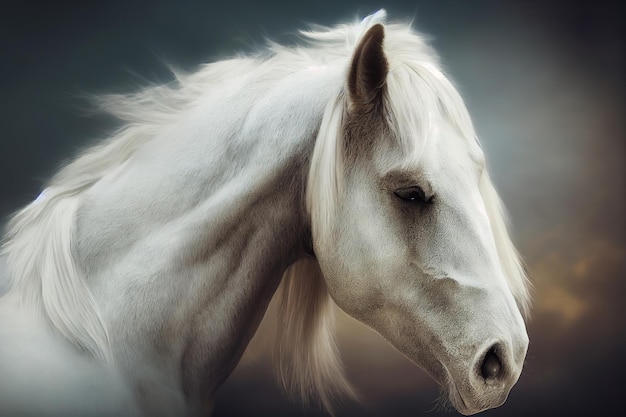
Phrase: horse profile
x=342 y=171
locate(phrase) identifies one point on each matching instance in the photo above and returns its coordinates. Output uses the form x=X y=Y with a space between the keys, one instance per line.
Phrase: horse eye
x=413 y=194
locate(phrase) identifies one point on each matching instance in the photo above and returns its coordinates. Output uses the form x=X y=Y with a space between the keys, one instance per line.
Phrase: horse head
x=407 y=228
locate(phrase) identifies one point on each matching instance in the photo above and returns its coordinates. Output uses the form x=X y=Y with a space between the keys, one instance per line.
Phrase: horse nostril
x=491 y=367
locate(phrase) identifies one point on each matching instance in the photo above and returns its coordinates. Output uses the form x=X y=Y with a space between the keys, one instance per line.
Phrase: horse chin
x=462 y=405
x=457 y=401
x=451 y=396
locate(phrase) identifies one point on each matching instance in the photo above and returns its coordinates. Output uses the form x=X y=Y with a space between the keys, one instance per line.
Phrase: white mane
x=39 y=240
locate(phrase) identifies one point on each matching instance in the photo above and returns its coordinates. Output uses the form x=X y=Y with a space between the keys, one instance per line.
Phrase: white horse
x=346 y=169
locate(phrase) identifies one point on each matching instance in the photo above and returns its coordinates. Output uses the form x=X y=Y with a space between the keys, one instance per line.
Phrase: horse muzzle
x=494 y=371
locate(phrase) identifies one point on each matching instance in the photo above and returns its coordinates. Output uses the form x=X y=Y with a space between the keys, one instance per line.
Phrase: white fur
x=150 y=259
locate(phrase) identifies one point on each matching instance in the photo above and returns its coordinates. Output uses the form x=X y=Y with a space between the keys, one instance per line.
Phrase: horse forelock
x=414 y=90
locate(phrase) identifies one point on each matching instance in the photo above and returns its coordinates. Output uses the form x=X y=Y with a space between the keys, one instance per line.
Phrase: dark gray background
x=543 y=81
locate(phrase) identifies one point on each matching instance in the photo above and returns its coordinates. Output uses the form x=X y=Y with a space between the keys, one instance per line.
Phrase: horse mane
x=38 y=240
x=510 y=260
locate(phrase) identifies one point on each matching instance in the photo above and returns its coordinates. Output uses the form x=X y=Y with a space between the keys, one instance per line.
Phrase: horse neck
x=184 y=245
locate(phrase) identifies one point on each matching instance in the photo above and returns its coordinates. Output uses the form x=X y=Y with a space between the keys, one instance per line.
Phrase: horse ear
x=368 y=70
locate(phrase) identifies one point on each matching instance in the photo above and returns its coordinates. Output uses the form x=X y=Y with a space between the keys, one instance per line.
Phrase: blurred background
x=544 y=82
